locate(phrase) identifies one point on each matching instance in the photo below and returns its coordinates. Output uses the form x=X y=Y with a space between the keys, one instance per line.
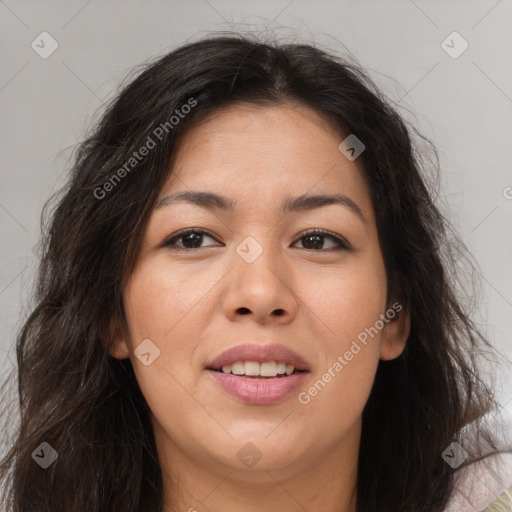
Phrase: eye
x=191 y=239
x=315 y=238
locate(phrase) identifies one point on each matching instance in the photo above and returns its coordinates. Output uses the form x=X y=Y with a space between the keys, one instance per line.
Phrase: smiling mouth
x=259 y=383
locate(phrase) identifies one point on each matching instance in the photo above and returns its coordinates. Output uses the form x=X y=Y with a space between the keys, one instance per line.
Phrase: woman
x=247 y=301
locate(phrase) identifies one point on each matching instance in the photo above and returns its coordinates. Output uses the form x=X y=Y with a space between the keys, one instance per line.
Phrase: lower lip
x=259 y=391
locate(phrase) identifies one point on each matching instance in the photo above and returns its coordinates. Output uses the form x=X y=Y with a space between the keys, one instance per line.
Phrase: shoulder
x=503 y=503
x=485 y=486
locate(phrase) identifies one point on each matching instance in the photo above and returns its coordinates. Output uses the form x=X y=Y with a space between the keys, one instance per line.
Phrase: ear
x=395 y=332
x=118 y=347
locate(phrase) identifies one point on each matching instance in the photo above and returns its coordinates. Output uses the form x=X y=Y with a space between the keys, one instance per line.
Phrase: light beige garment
x=485 y=486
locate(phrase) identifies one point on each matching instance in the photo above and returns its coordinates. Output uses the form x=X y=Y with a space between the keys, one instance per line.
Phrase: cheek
x=346 y=301
x=337 y=394
x=166 y=305
x=335 y=400
x=159 y=307
x=160 y=297
x=348 y=308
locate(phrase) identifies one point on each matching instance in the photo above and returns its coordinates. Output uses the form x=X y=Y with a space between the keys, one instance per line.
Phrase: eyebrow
x=213 y=201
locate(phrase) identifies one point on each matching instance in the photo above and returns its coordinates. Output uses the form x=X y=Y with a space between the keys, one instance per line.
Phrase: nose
x=261 y=290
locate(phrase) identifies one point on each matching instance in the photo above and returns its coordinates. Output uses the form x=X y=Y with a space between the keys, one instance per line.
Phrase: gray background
x=462 y=104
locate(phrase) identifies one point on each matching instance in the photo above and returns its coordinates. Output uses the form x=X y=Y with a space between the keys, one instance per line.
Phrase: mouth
x=256 y=360
x=259 y=374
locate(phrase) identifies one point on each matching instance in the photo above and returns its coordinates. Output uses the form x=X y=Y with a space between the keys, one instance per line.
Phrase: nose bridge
x=257 y=258
x=259 y=282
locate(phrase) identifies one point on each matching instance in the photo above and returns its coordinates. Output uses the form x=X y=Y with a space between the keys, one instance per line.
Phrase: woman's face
x=257 y=279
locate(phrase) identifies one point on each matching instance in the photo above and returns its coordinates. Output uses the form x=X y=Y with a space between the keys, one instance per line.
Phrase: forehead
x=258 y=155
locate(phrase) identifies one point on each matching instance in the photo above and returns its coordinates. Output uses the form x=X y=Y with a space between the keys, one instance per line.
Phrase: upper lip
x=260 y=354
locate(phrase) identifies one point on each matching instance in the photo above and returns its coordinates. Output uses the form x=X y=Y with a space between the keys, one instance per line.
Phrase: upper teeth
x=254 y=369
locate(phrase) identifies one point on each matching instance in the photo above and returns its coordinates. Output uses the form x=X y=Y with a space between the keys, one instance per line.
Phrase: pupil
x=317 y=244
x=192 y=237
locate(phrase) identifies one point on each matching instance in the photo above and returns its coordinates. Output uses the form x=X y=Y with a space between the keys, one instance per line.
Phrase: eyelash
x=342 y=245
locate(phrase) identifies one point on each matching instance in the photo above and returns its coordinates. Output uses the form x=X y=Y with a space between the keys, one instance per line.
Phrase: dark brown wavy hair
x=87 y=405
